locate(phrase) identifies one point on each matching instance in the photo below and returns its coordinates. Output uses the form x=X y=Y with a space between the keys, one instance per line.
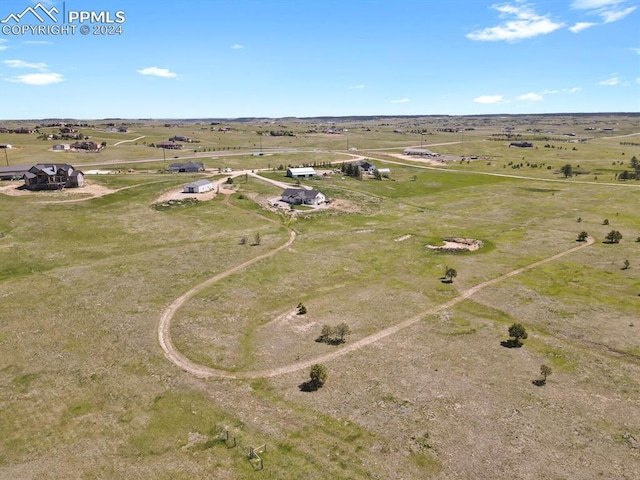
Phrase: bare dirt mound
x=456 y=244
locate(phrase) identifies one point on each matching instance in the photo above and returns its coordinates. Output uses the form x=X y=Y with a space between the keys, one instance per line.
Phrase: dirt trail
x=164 y=336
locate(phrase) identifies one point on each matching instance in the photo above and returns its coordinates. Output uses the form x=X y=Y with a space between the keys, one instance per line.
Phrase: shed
x=200 y=186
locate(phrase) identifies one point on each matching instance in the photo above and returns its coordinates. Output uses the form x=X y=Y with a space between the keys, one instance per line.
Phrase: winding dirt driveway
x=202 y=371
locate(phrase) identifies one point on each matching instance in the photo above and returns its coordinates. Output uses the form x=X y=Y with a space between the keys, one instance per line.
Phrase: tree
x=257 y=239
x=566 y=170
x=545 y=371
x=613 y=236
x=627 y=265
x=582 y=236
x=450 y=274
x=326 y=334
x=318 y=375
x=301 y=309
x=341 y=331
x=517 y=332
x=605 y=221
x=634 y=163
x=243 y=240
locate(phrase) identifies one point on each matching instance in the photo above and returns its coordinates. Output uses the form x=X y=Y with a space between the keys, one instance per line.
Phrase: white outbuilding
x=301 y=172
x=200 y=186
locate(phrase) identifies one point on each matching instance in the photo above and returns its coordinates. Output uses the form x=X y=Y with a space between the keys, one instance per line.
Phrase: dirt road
x=170 y=351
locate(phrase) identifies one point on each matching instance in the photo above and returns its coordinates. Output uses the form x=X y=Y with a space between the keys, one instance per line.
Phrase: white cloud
x=38 y=79
x=531 y=97
x=22 y=64
x=402 y=100
x=609 y=10
x=38 y=42
x=611 y=81
x=526 y=24
x=564 y=90
x=637 y=50
x=592 y=4
x=158 y=72
x=237 y=46
x=356 y=87
x=2 y=44
x=610 y=16
x=488 y=99
x=580 y=26
x=638 y=80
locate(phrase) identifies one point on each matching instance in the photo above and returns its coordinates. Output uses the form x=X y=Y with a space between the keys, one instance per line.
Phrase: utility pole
x=6 y=157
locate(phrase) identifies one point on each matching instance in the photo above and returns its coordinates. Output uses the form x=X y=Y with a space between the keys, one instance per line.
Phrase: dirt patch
x=403 y=238
x=456 y=244
x=13 y=189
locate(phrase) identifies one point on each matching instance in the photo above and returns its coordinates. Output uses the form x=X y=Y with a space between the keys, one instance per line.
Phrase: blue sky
x=276 y=58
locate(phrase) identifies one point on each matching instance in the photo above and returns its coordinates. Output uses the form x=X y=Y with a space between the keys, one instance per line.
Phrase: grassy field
x=86 y=392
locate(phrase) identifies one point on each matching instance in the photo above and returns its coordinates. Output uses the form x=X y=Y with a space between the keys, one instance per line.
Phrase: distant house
x=200 y=186
x=421 y=152
x=53 y=176
x=301 y=172
x=366 y=167
x=300 y=196
x=61 y=147
x=384 y=172
x=521 y=144
x=170 y=145
x=24 y=130
x=5 y=145
x=87 y=146
x=180 y=138
x=189 y=167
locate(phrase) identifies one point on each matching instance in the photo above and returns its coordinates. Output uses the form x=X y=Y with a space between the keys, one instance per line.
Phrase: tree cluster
x=334 y=335
x=351 y=170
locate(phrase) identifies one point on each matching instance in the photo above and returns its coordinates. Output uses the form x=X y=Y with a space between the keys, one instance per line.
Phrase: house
x=384 y=172
x=5 y=145
x=87 y=146
x=190 y=167
x=61 y=147
x=200 y=186
x=53 y=176
x=180 y=138
x=366 y=167
x=170 y=145
x=300 y=196
x=301 y=172
x=421 y=152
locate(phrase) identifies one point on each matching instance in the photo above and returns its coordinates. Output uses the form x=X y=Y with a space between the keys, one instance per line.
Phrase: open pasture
x=86 y=391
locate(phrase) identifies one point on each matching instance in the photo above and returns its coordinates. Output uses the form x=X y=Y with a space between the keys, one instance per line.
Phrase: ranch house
x=300 y=196
x=189 y=167
x=170 y=145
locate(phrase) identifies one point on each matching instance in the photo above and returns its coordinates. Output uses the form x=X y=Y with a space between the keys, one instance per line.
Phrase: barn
x=301 y=172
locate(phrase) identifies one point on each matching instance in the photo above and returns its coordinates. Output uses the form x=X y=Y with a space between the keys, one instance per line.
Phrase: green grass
x=87 y=391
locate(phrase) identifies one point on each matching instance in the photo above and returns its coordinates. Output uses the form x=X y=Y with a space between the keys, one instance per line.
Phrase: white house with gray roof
x=300 y=196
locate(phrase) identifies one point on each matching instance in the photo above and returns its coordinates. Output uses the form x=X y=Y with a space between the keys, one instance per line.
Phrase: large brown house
x=53 y=176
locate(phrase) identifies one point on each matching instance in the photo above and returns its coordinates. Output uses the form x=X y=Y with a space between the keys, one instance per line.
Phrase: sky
x=303 y=58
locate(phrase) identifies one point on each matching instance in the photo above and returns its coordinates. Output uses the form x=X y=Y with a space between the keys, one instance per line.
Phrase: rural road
x=202 y=371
